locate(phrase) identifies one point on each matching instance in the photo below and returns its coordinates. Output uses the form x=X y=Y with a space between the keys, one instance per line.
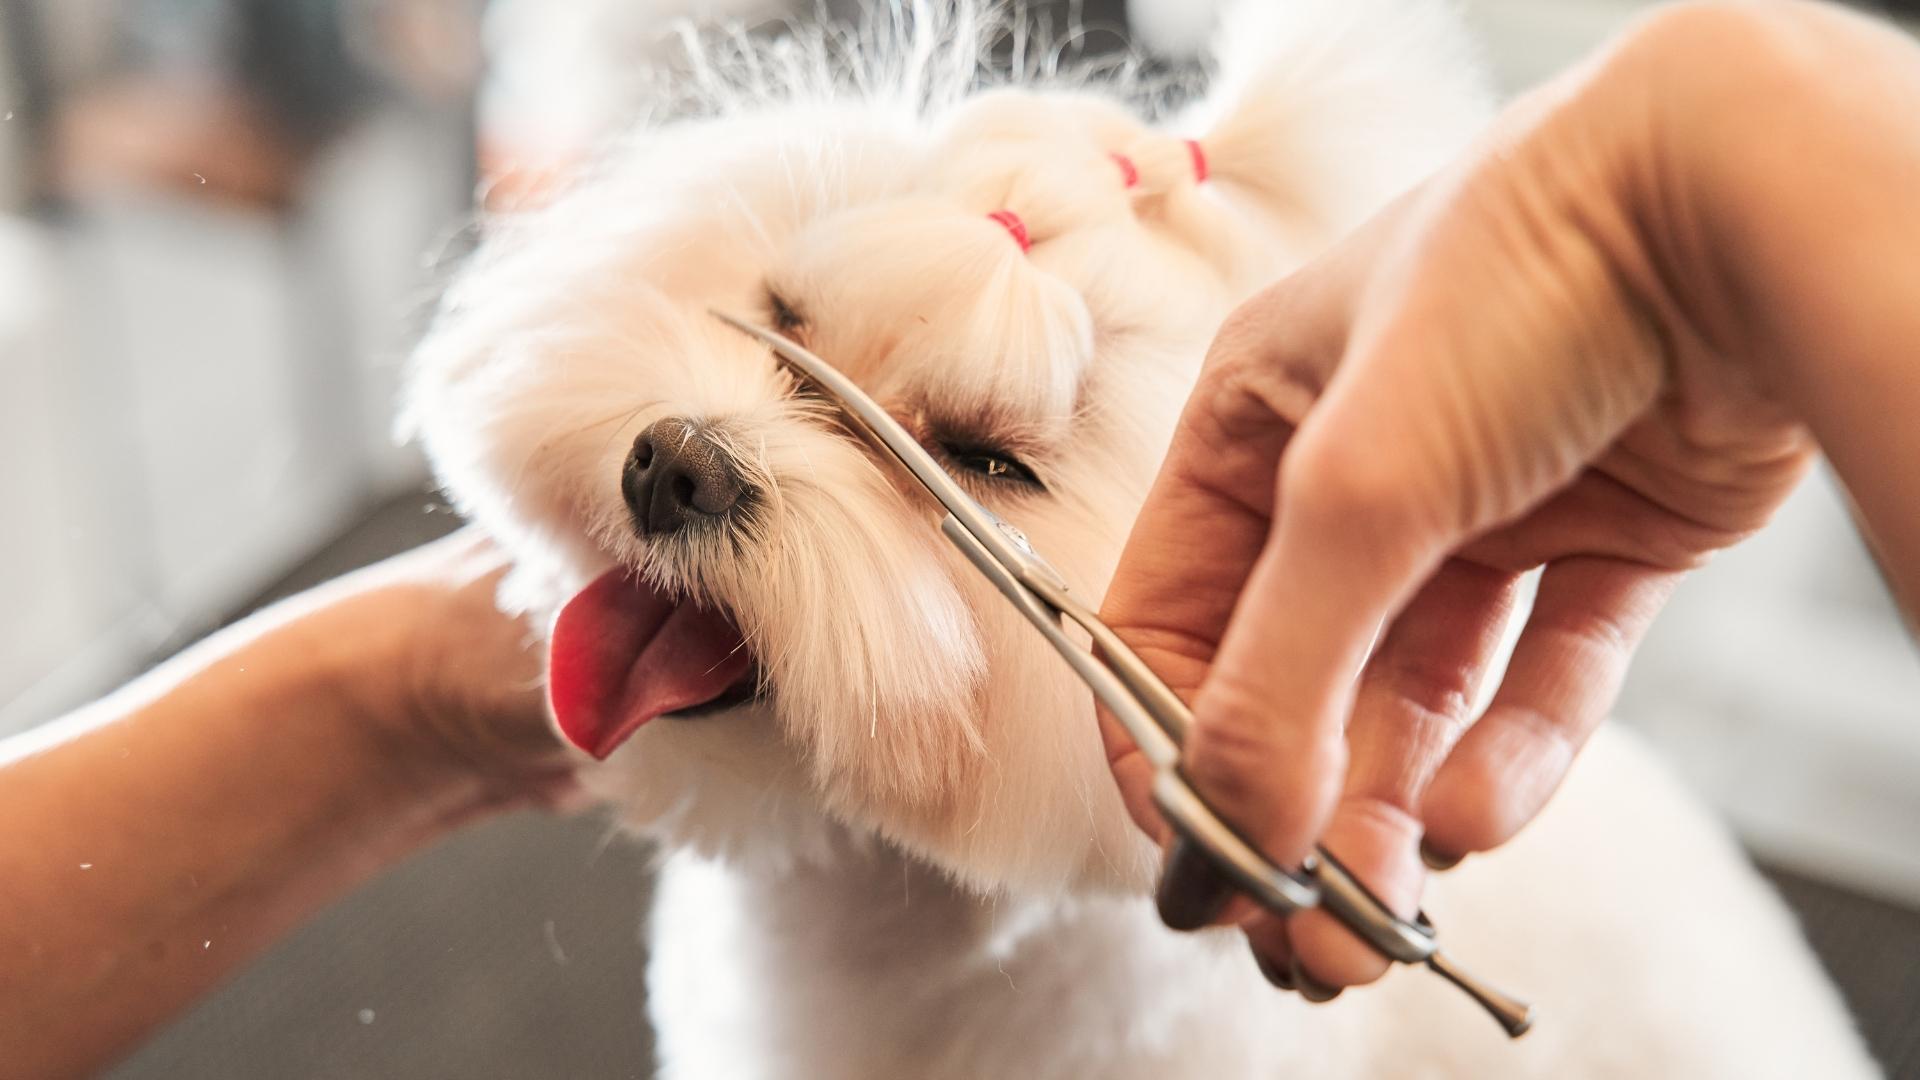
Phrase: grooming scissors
x=1153 y=715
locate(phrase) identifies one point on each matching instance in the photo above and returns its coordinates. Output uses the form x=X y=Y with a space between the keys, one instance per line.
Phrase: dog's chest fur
x=872 y=965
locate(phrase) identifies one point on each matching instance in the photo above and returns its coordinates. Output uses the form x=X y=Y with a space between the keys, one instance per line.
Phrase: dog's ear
x=1319 y=111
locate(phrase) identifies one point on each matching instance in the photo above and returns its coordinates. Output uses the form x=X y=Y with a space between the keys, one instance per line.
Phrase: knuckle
x=1243 y=334
x=1268 y=777
x=1546 y=737
x=1234 y=748
x=1484 y=800
x=1431 y=687
x=1247 y=395
x=1390 y=817
x=1748 y=46
x=1342 y=485
x=1598 y=638
x=1586 y=634
x=1718 y=24
x=1256 y=359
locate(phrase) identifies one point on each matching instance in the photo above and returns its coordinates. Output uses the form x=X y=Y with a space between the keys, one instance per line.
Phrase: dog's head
x=762 y=619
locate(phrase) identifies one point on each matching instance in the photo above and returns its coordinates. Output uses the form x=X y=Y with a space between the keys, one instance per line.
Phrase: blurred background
x=220 y=224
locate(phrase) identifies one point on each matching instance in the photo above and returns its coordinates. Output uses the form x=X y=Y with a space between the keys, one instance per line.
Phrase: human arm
x=156 y=841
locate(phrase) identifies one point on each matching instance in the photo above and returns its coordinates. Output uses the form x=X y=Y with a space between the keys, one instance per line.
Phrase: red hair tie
x=1129 y=176
x=1199 y=157
x=1016 y=228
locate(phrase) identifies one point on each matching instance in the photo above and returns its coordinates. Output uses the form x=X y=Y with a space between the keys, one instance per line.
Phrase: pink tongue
x=623 y=654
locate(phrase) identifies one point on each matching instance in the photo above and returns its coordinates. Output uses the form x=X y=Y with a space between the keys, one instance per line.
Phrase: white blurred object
x=564 y=75
x=234 y=448
x=196 y=394
x=1528 y=40
x=1781 y=681
x=1175 y=29
x=48 y=585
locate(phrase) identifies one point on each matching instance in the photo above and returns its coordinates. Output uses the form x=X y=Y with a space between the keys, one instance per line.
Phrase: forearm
x=1779 y=213
x=1829 y=271
x=180 y=827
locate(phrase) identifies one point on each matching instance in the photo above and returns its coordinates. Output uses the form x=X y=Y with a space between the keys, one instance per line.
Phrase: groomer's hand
x=1602 y=343
x=442 y=678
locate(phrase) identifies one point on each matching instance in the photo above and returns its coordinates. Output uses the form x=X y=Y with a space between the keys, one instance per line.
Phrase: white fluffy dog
x=893 y=849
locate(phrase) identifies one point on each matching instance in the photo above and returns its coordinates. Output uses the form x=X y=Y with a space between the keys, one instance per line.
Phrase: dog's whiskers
x=730 y=655
x=626 y=417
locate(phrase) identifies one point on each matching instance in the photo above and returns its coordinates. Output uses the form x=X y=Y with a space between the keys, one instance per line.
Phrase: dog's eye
x=785 y=317
x=991 y=463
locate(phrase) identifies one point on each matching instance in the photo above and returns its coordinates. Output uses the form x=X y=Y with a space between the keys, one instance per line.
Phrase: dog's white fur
x=907 y=859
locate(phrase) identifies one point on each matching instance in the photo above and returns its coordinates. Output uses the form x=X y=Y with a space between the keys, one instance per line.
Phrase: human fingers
x=1266 y=748
x=1267 y=941
x=1208 y=513
x=1587 y=619
x=1170 y=594
x=463 y=686
x=1414 y=699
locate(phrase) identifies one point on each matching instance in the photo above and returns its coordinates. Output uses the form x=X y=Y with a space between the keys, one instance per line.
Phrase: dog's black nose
x=676 y=475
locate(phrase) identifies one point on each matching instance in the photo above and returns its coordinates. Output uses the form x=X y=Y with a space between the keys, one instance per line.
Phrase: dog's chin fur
x=910 y=720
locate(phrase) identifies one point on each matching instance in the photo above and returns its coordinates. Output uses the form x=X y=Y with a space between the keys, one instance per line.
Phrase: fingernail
x=1272 y=972
x=1437 y=860
x=1192 y=891
x=1311 y=988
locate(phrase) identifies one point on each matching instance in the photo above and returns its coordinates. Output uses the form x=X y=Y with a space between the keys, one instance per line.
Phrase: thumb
x=1268 y=747
x=1208 y=514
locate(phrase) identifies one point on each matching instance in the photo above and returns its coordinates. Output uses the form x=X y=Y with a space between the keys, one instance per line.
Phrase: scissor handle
x=1251 y=872
x=1158 y=722
x=1410 y=941
x=1155 y=744
x=1162 y=705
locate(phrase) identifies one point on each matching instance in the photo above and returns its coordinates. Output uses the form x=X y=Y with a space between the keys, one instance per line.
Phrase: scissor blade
x=1139 y=724
x=858 y=407
x=1159 y=701
x=1003 y=541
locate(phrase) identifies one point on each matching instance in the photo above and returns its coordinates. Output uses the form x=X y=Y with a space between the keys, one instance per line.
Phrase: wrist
x=355 y=676
x=443 y=688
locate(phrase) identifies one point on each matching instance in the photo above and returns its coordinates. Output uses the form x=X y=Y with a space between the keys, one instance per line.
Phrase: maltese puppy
x=891 y=846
